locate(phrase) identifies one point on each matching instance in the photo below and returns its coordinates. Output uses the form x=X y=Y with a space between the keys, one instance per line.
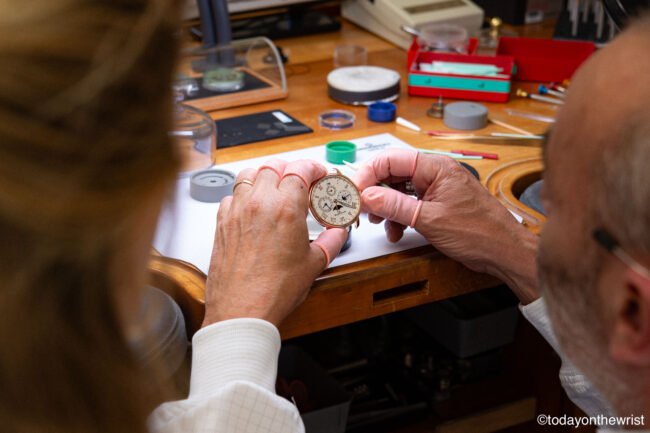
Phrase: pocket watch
x=335 y=201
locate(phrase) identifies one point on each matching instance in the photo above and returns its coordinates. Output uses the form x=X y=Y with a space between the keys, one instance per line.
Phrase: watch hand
x=342 y=203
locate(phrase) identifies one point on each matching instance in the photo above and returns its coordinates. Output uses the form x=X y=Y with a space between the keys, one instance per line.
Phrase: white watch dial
x=335 y=201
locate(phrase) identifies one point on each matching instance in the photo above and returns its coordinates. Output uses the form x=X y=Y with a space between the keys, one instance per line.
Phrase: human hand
x=455 y=213
x=263 y=263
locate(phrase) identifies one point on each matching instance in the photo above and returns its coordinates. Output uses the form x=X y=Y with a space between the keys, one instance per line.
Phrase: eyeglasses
x=607 y=241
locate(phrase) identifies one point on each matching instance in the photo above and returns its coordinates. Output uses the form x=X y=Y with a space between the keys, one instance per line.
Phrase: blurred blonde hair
x=85 y=106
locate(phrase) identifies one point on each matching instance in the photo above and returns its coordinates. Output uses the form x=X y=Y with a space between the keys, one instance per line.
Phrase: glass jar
x=195 y=136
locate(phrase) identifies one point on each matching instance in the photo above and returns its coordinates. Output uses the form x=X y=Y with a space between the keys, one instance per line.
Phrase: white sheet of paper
x=186 y=226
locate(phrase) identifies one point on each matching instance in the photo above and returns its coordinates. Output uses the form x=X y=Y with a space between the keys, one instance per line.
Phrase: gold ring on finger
x=246 y=181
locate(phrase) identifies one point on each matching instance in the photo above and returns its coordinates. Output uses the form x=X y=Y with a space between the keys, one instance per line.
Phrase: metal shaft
x=546 y=99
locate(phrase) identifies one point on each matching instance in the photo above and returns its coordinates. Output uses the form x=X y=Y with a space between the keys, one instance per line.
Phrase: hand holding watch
x=263 y=263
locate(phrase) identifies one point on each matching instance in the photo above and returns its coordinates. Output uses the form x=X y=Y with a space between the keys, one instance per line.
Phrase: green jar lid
x=338 y=151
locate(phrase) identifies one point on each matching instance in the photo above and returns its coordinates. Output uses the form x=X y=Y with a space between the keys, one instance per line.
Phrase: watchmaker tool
x=503 y=124
x=492 y=136
x=212 y=185
x=465 y=115
x=543 y=90
x=437 y=109
x=529 y=115
x=408 y=124
x=523 y=94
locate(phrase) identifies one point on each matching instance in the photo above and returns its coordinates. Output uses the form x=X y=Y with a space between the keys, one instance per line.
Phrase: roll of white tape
x=358 y=85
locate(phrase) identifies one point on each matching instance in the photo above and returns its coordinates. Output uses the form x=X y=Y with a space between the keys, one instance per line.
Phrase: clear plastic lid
x=195 y=135
x=443 y=38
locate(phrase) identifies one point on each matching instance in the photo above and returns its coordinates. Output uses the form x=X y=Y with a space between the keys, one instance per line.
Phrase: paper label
x=282 y=117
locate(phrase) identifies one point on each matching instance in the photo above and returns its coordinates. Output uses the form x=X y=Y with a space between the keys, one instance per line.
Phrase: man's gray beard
x=572 y=299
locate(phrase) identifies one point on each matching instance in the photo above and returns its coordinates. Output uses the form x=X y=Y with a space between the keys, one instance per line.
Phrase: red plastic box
x=468 y=87
x=545 y=59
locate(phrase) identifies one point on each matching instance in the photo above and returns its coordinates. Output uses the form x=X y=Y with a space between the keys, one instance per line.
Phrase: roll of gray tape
x=211 y=185
x=465 y=115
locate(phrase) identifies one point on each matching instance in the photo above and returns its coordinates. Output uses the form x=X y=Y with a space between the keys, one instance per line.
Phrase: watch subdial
x=325 y=204
x=331 y=190
x=345 y=197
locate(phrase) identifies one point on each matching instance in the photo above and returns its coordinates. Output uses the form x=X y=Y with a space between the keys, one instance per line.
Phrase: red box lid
x=545 y=59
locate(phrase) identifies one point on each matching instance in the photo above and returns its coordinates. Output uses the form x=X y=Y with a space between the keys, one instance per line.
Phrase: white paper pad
x=186 y=227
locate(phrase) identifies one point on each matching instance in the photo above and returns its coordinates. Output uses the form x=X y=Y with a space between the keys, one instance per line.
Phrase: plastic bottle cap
x=382 y=112
x=338 y=151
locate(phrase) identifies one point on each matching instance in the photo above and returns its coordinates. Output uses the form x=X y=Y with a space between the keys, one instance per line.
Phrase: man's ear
x=630 y=341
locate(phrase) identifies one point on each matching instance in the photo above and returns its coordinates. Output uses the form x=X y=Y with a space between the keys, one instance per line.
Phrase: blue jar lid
x=382 y=112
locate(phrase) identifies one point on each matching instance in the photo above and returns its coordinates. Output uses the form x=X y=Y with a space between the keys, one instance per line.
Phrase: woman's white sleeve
x=232 y=386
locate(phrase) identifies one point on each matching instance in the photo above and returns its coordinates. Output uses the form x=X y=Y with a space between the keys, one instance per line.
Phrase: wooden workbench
x=402 y=280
